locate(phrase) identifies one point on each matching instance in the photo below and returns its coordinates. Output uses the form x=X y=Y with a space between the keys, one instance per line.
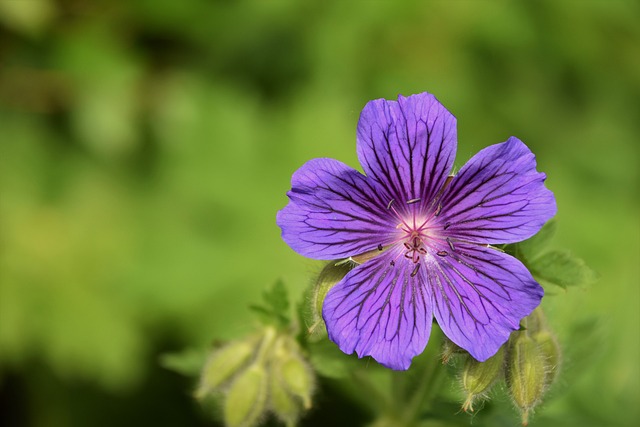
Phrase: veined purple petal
x=480 y=296
x=497 y=197
x=333 y=212
x=407 y=146
x=380 y=309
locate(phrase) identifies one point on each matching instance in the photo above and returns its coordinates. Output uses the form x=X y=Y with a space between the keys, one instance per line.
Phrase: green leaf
x=277 y=298
x=187 y=362
x=563 y=269
x=532 y=248
x=275 y=307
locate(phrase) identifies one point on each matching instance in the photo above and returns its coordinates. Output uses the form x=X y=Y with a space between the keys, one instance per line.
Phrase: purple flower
x=424 y=235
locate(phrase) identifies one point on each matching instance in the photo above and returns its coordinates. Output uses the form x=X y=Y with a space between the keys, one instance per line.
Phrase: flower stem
x=375 y=400
x=432 y=377
x=415 y=404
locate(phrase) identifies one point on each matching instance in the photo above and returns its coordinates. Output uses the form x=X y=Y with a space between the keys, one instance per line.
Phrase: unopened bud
x=478 y=377
x=550 y=349
x=283 y=404
x=535 y=322
x=223 y=364
x=526 y=374
x=330 y=275
x=297 y=378
x=245 y=402
x=449 y=350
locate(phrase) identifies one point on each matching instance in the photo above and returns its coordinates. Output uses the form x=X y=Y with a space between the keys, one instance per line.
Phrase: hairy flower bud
x=478 y=377
x=449 y=350
x=297 y=378
x=223 y=364
x=550 y=349
x=330 y=275
x=282 y=403
x=246 y=400
x=536 y=321
x=538 y=329
x=265 y=372
x=526 y=373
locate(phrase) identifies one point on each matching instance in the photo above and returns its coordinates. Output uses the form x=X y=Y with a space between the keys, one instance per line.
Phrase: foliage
x=145 y=147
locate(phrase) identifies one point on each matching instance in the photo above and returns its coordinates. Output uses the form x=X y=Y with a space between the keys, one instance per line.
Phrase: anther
x=442 y=253
x=448 y=180
x=389 y=204
x=413 y=201
x=415 y=270
x=450 y=244
x=447 y=225
x=392 y=263
x=438 y=209
x=380 y=246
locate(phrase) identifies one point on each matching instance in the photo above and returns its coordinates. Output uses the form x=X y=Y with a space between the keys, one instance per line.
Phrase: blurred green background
x=145 y=147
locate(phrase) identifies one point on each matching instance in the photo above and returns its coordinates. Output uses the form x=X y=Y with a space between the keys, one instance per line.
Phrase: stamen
x=439 y=195
x=447 y=181
x=413 y=201
x=389 y=204
x=415 y=270
x=380 y=246
x=450 y=244
x=442 y=253
x=392 y=263
x=447 y=225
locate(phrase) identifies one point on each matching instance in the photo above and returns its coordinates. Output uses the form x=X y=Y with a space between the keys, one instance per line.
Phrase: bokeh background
x=146 y=146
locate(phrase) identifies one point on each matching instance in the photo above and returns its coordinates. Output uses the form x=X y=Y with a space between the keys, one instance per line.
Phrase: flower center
x=418 y=233
x=414 y=244
x=415 y=227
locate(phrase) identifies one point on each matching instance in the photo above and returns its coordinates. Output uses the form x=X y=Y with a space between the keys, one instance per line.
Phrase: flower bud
x=449 y=350
x=297 y=378
x=223 y=364
x=330 y=275
x=550 y=350
x=526 y=373
x=478 y=377
x=282 y=403
x=535 y=322
x=246 y=399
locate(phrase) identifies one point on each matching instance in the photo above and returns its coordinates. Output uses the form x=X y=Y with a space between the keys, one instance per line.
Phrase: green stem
x=398 y=388
x=376 y=401
x=439 y=375
x=414 y=405
x=432 y=377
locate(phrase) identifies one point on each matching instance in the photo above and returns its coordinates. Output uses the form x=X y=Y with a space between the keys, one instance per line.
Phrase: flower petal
x=497 y=197
x=407 y=146
x=380 y=310
x=480 y=295
x=333 y=212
